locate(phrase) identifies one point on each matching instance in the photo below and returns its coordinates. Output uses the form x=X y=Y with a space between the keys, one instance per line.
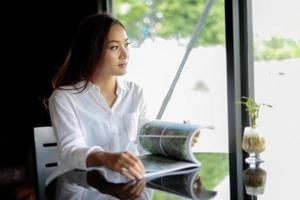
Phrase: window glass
x=159 y=32
x=276 y=28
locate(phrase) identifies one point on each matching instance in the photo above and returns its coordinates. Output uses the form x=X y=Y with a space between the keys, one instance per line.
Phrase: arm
x=71 y=143
x=73 y=149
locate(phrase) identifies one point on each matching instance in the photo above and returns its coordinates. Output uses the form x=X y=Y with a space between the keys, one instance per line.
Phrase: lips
x=123 y=64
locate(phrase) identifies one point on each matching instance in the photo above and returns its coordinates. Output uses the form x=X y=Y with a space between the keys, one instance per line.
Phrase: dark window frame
x=240 y=82
x=105 y=6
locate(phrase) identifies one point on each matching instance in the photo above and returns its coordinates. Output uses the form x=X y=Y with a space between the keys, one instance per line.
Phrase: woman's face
x=115 y=53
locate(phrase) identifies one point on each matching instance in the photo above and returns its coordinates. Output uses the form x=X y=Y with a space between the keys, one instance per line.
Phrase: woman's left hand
x=195 y=139
x=196 y=136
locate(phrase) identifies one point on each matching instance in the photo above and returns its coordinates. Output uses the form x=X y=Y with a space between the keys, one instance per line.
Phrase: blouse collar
x=120 y=86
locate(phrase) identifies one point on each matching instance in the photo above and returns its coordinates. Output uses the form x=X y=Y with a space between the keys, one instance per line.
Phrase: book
x=184 y=183
x=168 y=146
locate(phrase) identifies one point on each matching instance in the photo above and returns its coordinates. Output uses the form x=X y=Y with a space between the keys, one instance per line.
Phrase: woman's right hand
x=125 y=163
x=129 y=190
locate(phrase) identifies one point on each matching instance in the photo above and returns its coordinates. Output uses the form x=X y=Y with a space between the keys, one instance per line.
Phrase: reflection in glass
x=186 y=184
x=255 y=180
x=102 y=183
x=127 y=190
x=97 y=184
x=214 y=168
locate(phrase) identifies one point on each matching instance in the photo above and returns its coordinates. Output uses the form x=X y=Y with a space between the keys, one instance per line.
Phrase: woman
x=96 y=116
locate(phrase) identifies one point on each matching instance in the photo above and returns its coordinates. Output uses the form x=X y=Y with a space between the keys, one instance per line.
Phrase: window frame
x=240 y=82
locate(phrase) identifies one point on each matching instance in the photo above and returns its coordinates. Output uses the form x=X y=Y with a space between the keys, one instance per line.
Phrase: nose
x=124 y=52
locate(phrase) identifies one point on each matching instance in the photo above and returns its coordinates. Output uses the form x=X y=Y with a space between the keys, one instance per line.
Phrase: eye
x=114 y=47
x=127 y=44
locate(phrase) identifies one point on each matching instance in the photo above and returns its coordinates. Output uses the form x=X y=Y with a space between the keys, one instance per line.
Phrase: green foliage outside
x=214 y=168
x=173 y=19
x=277 y=48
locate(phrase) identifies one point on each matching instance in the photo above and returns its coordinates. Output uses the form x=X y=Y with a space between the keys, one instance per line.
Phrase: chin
x=121 y=73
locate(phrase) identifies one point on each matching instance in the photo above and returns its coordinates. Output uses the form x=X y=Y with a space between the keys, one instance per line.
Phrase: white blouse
x=83 y=122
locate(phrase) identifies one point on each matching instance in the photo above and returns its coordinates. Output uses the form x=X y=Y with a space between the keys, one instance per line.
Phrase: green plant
x=252 y=107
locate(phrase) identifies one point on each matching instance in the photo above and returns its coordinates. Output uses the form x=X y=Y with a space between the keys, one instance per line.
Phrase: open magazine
x=185 y=183
x=169 y=146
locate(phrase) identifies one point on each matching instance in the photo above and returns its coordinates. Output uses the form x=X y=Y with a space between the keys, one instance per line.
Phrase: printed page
x=169 y=139
x=156 y=166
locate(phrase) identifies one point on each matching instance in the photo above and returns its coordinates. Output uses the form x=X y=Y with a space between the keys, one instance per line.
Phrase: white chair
x=46 y=156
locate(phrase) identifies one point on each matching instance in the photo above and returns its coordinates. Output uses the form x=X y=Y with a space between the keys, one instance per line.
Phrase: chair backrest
x=46 y=154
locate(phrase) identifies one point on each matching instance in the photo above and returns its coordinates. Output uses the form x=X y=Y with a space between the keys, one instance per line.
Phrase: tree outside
x=171 y=19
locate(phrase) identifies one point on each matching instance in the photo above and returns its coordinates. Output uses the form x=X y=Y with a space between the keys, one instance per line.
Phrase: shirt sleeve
x=72 y=147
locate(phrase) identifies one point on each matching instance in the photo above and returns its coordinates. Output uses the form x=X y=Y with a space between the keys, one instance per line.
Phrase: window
x=159 y=32
x=276 y=28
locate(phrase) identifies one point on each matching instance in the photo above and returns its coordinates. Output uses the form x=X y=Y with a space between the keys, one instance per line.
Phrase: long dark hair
x=86 y=50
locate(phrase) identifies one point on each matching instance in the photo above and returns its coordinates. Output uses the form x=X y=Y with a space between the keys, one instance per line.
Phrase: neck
x=107 y=85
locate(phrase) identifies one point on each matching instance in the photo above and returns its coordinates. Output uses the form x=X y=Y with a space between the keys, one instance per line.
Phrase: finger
x=197 y=184
x=135 y=162
x=126 y=190
x=133 y=169
x=193 y=144
x=127 y=187
x=140 y=166
x=125 y=172
x=129 y=166
x=195 y=140
x=124 y=162
x=196 y=136
x=141 y=187
x=137 y=190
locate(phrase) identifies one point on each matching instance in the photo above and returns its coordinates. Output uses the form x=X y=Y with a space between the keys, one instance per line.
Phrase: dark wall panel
x=36 y=38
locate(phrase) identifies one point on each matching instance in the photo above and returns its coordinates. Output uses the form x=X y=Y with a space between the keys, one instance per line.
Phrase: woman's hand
x=196 y=136
x=195 y=139
x=197 y=185
x=125 y=163
x=129 y=190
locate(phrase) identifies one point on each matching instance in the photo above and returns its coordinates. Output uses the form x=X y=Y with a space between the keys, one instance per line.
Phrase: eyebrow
x=117 y=41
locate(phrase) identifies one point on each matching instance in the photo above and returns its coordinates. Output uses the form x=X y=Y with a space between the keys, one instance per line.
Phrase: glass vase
x=255 y=180
x=253 y=143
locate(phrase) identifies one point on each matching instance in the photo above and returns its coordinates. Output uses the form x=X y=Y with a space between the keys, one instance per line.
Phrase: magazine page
x=186 y=184
x=156 y=166
x=169 y=139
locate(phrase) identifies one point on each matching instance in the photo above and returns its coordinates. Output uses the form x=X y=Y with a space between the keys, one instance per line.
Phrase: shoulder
x=66 y=92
